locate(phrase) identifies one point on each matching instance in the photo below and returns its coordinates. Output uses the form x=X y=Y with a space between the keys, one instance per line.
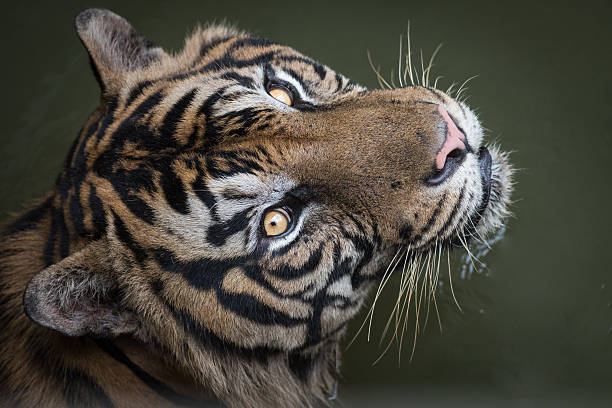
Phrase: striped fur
x=145 y=274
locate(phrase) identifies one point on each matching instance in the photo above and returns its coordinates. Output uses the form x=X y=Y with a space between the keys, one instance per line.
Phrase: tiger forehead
x=216 y=87
x=219 y=54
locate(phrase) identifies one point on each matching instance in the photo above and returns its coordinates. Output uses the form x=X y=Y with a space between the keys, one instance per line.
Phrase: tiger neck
x=41 y=367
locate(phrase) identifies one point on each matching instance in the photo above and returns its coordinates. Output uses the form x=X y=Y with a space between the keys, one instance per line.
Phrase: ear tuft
x=113 y=45
x=77 y=297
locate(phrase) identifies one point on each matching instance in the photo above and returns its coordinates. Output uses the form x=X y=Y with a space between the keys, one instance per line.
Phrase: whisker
x=458 y=95
x=381 y=80
x=371 y=311
x=431 y=60
x=450 y=280
x=399 y=297
x=409 y=55
x=422 y=70
x=384 y=281
x=396 y=312
x=482 y=239
x=392 y=80
x=465 y=245
x=399 y=68
x=435 y=85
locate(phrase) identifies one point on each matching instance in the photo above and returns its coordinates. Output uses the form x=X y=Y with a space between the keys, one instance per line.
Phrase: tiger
x=221 y=217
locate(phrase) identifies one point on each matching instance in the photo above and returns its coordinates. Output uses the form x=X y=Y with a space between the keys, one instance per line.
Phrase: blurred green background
x=536 y=326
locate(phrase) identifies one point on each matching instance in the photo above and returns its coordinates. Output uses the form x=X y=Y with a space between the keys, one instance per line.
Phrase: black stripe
x=208 y=274
x=127 y=183
x=302 y=83
x=451 y=217
x=301 y=365
x=251 y=308
x=81 y=391
x=367 y=252
x=124 y=236
x=153 y=383
x=131 y=129
x=234 y=166
x=212 y=131
x=436 y=93
x=226 y=60
x=97 y=213
x=109 y=117
x=405 y=232
x=249 y=42
x=322 y=300
x=175 y=114
x=64 y=236
x=174 y=191
x=137 y=91
x=138 y=207
x=202 y=274
x=339 y=81
x=245 y=118
x=76 y=212
x=219 y=233
x=245 y=81
x=208 y=46
x=320 y=69
x=30 y=219
x=286 y=271
x=432 y=219
x=316 y=66
x=208 y=339
x=230 y=62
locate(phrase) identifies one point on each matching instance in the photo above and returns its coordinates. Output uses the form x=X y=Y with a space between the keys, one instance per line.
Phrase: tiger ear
x=113 y=45
x=79 y=296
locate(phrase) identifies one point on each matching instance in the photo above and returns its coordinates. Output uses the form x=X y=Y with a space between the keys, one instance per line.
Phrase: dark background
x=536 y=326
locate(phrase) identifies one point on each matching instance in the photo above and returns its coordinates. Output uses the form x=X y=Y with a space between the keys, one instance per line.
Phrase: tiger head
x=232 y=205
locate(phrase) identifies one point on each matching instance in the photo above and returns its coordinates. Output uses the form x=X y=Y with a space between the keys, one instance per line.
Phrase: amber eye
x=276 y=222
x=281 y=94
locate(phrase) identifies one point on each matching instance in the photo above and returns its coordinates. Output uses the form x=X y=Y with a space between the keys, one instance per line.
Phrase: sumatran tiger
x=220 y=218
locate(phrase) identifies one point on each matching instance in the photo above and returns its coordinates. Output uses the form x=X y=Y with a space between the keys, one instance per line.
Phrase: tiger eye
x=282 y=94
x=276 y=222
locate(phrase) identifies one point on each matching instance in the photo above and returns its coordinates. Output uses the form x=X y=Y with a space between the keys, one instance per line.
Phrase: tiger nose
x=454 y=143
x=452 y=152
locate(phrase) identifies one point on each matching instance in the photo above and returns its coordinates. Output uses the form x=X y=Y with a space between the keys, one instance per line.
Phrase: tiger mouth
x=485 y=162
x=496 y=178
x=489 y=213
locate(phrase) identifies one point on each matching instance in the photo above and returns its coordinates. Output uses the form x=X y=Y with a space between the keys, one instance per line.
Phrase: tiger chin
x=221 y=217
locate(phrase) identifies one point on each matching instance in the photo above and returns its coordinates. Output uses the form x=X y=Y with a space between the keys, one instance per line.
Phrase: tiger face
x=241 y=197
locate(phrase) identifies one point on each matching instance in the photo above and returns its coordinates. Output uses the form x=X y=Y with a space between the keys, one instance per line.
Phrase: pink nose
x=455 y=140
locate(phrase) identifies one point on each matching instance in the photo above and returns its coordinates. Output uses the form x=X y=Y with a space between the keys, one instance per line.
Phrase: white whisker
x=431 y=60
x=409 y=55
x=399 y=68
x=381 y=80
x=458 y=95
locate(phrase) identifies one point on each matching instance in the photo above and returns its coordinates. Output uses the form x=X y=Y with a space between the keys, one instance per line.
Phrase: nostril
x=452 y=160
x=456 y=154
